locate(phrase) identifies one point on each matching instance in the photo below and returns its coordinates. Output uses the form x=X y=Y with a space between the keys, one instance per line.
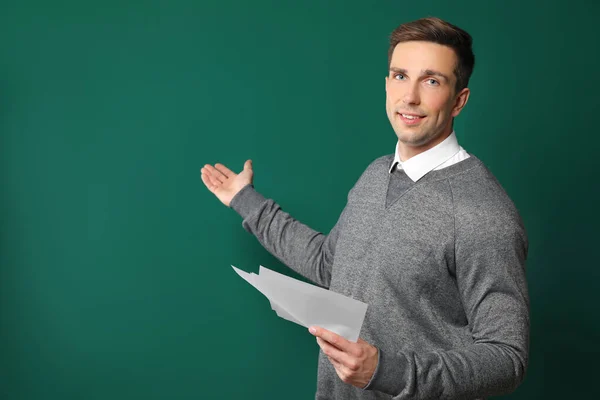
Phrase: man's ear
x=461 y=101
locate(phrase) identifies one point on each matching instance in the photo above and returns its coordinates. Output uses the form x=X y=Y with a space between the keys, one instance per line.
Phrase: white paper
x=308 y=305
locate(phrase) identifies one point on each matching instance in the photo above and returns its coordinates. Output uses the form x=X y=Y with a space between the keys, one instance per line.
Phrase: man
x=428 y=238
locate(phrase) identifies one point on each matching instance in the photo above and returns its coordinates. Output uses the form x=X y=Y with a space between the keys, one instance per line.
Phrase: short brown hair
x=438 y=31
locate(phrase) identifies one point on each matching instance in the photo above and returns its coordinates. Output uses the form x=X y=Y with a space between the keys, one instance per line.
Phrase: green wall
x=115 y=277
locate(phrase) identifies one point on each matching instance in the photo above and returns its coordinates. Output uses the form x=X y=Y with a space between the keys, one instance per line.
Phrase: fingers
x=336 y=364
x=224 y=170
x=214 y=179
x=328 y=351
x=208 y=182
x=215 y=173
x=333 y=338
x=335 y=354
x=341 y=370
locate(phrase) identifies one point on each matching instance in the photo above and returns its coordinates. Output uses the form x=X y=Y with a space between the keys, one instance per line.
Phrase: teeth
x=409 y=116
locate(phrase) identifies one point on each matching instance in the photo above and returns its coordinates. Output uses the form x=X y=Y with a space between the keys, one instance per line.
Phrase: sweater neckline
x=444 y=173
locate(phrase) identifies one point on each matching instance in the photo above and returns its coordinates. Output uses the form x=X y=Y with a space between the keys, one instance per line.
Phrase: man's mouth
x=410 y=119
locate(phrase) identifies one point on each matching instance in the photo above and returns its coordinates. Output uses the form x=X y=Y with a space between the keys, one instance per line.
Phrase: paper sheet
x=307 y=304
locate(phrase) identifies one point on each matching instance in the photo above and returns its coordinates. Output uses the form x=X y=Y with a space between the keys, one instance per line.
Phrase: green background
x=115 y=277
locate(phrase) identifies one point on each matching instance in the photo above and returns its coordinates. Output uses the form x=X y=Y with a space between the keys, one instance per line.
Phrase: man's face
x=421 y=85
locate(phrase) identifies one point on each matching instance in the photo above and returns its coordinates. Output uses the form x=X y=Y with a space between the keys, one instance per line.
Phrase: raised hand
x=223 y=182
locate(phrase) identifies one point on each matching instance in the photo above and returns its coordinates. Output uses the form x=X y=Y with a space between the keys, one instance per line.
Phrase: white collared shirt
x=440 y=156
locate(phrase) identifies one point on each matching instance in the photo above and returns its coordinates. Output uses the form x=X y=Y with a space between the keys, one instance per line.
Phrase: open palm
x=223 y=182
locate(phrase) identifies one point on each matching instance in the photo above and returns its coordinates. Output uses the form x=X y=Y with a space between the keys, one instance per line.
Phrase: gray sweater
x=441 y=264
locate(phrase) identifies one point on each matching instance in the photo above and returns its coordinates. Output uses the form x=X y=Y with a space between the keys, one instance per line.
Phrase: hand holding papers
x=307 y=304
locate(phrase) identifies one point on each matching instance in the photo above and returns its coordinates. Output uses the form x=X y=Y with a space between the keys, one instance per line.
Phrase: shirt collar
x=418 y=166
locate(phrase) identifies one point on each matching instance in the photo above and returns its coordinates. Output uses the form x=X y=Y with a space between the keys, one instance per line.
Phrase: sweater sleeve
x=490 y=259
x=306 y=251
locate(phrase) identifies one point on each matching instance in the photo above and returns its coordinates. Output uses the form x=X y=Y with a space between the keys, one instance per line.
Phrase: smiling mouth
x=410 y=116
x=410 y=119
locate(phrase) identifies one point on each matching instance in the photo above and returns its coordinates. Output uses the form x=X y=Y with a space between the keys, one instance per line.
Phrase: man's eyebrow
x=425 y=72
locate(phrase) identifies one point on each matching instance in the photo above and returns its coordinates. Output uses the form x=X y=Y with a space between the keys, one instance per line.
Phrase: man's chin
x=420 y=141
x=414 y=139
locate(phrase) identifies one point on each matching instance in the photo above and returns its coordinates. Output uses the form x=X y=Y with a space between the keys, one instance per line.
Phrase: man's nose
x=411 y=96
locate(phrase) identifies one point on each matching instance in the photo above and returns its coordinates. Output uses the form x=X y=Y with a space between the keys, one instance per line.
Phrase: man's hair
x=438 y=31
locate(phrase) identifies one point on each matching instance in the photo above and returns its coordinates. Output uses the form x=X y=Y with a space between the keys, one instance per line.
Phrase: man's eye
x=432 y=82
x=399 y=75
